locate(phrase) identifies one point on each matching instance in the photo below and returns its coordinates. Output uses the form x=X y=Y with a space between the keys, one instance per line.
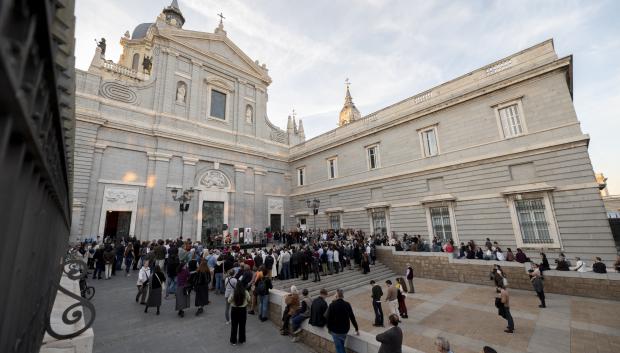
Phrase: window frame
x=550 y=218
x=335 y=214
x=301 y=176
x=374 y=146
x=329 y=172
x=220 y=86
x=423 y=142
x=518 y=102
x=453 y=225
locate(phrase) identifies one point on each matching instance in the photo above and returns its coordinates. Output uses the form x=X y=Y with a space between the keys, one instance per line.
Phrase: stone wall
x=319 y=339
x=442 y=266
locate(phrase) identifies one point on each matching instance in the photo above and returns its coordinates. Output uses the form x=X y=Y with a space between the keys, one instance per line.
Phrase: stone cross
x=347 y=82
x=221 y=16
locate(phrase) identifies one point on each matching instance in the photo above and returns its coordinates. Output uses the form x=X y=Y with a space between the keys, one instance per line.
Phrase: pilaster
x=260 y=203
x=91 y=222
x=157 y=197
x=239 y=196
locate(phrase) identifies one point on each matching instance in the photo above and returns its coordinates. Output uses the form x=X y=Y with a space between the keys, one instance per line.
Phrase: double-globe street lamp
x=183 y=201
x=314 y=205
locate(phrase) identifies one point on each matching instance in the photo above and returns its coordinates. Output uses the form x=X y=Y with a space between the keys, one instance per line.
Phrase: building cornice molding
x=418 y=111
x=581 y=140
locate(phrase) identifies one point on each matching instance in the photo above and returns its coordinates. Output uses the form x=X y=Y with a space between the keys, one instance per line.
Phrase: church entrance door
x=275 y=222
x=212 y=220
x=117 y=224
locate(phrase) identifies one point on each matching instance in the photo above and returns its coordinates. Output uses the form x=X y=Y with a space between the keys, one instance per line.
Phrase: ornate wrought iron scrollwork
x=75 y=270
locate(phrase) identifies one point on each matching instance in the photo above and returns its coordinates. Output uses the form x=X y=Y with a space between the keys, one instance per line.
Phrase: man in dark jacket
x=318 y=308
x=269 y=260
x=339 y=314
x=392 y=339
x=377 y=293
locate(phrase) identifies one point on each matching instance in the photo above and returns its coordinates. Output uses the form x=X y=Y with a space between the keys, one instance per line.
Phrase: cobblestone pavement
x=466 y=315
x=122 y=326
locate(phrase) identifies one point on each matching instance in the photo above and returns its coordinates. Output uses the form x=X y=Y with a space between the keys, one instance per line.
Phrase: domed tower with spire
x=349 y=112
x=173 y=15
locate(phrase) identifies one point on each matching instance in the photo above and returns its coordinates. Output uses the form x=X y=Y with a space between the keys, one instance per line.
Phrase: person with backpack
x=229 y=284
x=269 y=261
x=239 y=301
x=262 y=287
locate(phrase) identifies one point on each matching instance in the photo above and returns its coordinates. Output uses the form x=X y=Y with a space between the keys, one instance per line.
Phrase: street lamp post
x=314 y=205
x=183 y=200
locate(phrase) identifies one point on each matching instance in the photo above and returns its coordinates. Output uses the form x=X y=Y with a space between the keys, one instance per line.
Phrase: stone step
x=330 y=279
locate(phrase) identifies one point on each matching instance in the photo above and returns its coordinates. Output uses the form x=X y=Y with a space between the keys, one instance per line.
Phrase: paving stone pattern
x=465 y=314
x=122 y=326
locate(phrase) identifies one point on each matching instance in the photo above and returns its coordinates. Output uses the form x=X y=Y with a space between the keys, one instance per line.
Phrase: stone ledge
x=319 y=338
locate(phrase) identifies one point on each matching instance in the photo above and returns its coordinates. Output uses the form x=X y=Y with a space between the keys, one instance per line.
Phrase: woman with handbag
x=156 y=283
x=401 y=296
x=182 y=293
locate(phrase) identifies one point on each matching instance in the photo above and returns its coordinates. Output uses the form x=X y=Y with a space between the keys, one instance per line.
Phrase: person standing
x=183 y=289
x=336 y=260
x=318 y=309
x=143 y=278
x=392 y=297
x=156 y=283
x=339 y=318
x=401 y=296
x=262 y=287
x=99 y=262
x=230 y=283
x=239 y=301
x=377 y=293
x=392 y=339
x=200 y=282
x=537 y=282
x=409 y=276
x=109 y=260
x=128 y=258
x=505 y=300
x=316 y=267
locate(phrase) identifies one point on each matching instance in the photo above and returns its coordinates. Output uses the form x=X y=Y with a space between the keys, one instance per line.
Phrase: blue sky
x=392 y=50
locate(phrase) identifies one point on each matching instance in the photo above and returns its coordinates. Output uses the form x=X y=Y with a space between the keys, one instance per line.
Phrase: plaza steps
x=347 y=280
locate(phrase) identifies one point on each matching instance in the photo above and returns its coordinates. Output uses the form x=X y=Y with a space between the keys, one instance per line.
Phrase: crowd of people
x=245 y=277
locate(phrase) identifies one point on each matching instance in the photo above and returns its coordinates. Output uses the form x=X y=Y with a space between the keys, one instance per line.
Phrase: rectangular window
x=533 y=221
x=429 y=142
x=218 y=105
x=440 y=221
x=334 y=221
x=301 y=176
x=332 y=168
x=510 y=120
x=373 y=157
x=378 y=223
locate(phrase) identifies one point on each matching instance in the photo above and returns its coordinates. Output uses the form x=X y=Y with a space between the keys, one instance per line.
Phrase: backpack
x=261 y=287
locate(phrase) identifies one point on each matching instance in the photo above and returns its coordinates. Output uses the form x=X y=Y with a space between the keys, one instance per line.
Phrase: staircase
x=347 y=280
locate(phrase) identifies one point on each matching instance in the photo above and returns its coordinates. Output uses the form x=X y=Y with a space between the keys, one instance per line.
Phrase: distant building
x=495 y=153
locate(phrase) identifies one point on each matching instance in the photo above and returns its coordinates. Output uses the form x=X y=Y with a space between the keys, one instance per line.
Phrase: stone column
x=239 y=197
x=260 y=203
x=288 y=222
x=190 y=225
x=157 y=194
x=91 y=221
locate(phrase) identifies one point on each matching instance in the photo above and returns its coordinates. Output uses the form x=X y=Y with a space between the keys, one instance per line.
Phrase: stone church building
x=497 y=152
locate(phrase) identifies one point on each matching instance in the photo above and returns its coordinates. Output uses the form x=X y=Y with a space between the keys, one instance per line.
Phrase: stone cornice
x=581 y=140
x=414 y=112
x=159 y=156
x=190 y=160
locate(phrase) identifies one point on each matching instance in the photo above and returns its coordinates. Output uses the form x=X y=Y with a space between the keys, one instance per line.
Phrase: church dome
x=349 y=112
x=140 y=31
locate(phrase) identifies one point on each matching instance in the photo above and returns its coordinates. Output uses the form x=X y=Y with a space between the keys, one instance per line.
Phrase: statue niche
x=181 y=92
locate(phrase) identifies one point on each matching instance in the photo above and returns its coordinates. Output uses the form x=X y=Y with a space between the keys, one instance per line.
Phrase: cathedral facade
x=495 y=153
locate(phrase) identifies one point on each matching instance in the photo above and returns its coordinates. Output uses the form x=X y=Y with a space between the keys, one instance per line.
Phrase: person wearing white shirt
x=581 y=265
x=500 y=255
x=336 y=260
x=143 y=277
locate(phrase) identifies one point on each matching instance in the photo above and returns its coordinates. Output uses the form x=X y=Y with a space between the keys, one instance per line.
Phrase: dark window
x=218 y=105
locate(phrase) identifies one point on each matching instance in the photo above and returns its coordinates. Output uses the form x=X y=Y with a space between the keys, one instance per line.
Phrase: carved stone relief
x=275 y=205
x=216 y=179
x=113 y=195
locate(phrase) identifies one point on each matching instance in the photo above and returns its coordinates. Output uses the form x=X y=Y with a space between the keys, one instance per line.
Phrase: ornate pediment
x=222 y=49
x=215 y=179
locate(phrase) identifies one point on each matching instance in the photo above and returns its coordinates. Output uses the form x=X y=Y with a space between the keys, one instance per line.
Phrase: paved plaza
x=461 y=312
x=466 y=315
x=122 y=326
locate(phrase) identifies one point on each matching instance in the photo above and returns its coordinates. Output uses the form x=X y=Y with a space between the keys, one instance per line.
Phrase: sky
x=391 y=50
